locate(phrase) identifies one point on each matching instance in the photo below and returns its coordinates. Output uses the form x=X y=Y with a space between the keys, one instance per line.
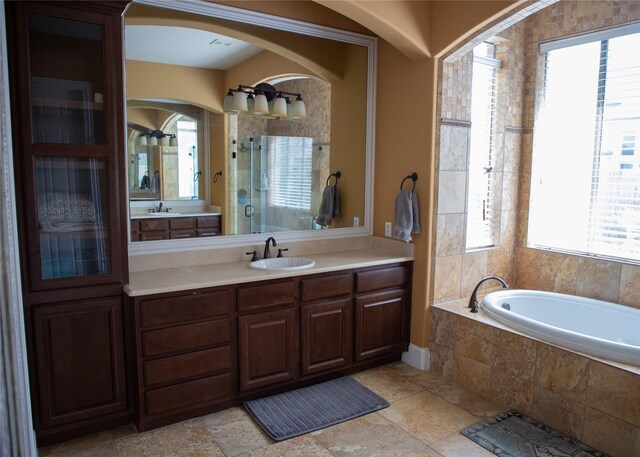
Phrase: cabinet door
x=326 y=336
x=267 y=348
x=79 y=349
x=66 y=98
x=381 y=324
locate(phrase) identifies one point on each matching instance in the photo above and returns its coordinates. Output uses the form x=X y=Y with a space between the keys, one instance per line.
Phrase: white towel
x=326 y=210
x=407 y=216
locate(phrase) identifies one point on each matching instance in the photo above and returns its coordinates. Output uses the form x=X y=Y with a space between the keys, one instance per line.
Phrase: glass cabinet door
x=72 y=217
x=66 y=62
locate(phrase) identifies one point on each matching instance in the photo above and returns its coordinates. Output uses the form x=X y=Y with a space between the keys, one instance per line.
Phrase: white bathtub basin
x=282 y=263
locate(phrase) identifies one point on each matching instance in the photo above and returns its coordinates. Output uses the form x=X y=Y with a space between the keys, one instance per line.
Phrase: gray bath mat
x=311 y=408
x=512 y=434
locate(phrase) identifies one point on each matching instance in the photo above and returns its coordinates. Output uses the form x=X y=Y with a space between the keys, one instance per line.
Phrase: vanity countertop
x=176 y=214
x=202 y=276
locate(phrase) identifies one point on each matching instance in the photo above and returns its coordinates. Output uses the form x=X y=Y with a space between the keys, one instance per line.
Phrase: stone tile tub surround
x=588 y=398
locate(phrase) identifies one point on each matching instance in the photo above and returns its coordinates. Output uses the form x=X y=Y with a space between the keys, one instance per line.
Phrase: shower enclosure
x=276 y=183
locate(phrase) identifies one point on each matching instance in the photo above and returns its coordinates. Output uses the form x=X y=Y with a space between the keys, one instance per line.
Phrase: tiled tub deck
x=588 y=398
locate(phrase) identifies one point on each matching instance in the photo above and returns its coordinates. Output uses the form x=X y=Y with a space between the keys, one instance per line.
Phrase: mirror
x=165 y=163
x=262 y=175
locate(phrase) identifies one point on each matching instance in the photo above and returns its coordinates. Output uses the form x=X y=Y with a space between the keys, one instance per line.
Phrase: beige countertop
x=220 y=274
x=172 y=214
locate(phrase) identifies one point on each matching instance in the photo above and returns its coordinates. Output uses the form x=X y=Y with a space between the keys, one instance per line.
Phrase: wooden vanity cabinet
x=202 y=351
x=165 y=228
x=67 y=113
x=185 y=355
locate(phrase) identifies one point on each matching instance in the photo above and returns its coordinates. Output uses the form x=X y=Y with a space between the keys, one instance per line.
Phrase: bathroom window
x=289 y=177
x=482 y=221
x=585 y=184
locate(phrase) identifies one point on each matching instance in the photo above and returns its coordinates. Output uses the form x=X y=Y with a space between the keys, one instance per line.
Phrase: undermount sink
x=282 y=263
x=164 y=213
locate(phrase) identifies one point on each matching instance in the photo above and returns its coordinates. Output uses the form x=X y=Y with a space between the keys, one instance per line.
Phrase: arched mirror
x=194 y=153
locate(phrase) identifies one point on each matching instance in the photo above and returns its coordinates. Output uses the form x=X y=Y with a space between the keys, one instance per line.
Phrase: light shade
x=163 y=141
x=153 y=141
x=173 y=141
x=261 y=106
x=280 y=107
x=240 y=102
x=142 y=139
x=228 y=103
x=299 y=108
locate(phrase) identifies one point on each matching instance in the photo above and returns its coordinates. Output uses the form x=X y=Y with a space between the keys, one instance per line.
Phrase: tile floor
x=423 y=420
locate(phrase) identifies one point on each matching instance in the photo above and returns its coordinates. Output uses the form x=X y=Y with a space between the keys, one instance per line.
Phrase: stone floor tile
x=235 y=431
x=427 y=416
x=76 y=444
x=388 y=383
x=185 y=439
x=101 y=450
x=301 y=446
x=370 y=435
x=457 y=445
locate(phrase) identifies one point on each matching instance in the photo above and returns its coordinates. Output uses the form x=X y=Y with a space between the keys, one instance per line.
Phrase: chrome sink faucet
x=473 y=301
x=266 y=254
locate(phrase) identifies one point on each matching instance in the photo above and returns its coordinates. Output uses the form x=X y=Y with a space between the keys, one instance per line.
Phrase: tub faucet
x=473 y=301
x=266 y=253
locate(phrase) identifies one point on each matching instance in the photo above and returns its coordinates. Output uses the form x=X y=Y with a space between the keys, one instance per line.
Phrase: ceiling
x=185 y=46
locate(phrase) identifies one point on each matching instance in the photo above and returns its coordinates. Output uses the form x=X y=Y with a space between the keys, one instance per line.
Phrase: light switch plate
x=387 y=229
x=356 y=221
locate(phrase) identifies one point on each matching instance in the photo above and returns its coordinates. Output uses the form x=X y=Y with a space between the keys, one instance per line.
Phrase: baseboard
x=417 y=357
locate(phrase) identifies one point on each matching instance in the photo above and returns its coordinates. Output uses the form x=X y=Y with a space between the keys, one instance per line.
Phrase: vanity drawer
x=177 y=234
x=208 y=232
x=148 y=225
x=327 y=287
x=266 y=296
x=184 y=308
x=184 y=338
x=176 y=223
x=193 y=393
x=208 y=222
x=383 y=278
x=154 y=235
x=187 y=366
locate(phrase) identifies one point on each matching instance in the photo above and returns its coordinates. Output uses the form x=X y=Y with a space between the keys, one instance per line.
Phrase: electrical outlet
x=387 y=229
x=356 y=221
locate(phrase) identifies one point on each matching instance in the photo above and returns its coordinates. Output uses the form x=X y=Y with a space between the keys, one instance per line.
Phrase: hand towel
x=325 y=212
x=336 y=203
x=406 y=215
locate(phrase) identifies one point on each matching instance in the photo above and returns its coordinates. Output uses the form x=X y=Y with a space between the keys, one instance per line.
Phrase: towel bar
x=337 y=175
x=413 y=177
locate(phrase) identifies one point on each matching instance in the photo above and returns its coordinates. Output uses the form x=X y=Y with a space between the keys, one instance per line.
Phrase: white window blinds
x=482 y=220
x=585 y=187
x=290 y=165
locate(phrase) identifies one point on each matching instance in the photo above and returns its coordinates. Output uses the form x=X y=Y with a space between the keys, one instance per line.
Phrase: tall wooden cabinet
x=68 y=117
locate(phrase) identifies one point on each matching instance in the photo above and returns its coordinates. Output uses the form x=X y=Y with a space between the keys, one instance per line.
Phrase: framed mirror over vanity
x=191 y=156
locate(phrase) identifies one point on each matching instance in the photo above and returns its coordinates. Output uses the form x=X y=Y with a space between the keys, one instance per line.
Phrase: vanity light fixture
x=264 y=100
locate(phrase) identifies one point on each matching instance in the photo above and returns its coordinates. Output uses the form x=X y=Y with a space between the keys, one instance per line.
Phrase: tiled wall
x=594 y=402
x=456 y=271
x=536 y=269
